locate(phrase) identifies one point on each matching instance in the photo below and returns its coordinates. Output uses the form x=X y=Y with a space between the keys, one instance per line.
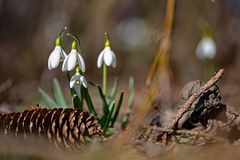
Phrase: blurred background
x=28 y=30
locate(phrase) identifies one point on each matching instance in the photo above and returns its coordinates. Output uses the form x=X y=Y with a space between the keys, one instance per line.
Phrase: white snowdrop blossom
x=206 y=48
x=57 y=55
x=72 y=60
x=77 y=80
x=108 y=57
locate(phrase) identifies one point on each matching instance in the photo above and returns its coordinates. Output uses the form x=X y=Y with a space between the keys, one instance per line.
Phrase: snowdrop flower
x=206 y=48
x=77 y=80
x=73 y=59
x=107 y=56
x=57 y=55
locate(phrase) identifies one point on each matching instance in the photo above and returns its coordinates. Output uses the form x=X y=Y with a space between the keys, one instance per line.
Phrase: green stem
x=68 y=78
x=62 y=30
x=72 y=91
x=208 y=69
x=61 y=33
x=77 y=40
x=104 y=79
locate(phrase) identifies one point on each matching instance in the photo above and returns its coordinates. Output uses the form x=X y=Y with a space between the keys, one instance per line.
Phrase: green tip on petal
x=207 y=33
x=58 y=42
x=74 y=45
x=107 y=40
x=78 y=69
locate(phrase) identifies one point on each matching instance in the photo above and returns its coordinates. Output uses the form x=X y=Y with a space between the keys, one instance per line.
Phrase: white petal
x=54 y=58
x=83 y=81
x=72 y=83
x=73 y=80
x=100 y=59
x=206 y=48
x=64 y=66
x=49 y=62
x=210 y=48
x=199 y=53
x=81 y=62
x=72 y=60
x=108 y=58
x=114 y=62
x=64 y=55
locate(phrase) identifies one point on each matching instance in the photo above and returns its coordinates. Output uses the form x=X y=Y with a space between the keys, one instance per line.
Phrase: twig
x=186 y=106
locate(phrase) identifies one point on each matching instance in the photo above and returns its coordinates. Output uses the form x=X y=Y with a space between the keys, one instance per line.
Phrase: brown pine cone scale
x=62 y=127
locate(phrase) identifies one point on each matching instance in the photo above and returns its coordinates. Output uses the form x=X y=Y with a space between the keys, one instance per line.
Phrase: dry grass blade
x=161 y=58
x=156 y=75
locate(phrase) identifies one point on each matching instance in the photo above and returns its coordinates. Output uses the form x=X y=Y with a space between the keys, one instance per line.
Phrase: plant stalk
x=104 y=85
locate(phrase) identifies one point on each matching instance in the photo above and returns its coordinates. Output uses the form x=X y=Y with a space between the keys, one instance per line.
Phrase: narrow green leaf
x=47 y=99
x=103 y=119
x=105 y=106
x=131 y=93
x=82 y=95
x=117 y=109
x=113 y=90
x=109 y=117
x=130 y=102
x=58 y=94
x=88 y=100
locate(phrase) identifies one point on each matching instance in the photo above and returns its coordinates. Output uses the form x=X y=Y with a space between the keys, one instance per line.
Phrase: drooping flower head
x=73 y=60
x=58 y=54
x=107 y=56
x=77 y=80
x=206 y=48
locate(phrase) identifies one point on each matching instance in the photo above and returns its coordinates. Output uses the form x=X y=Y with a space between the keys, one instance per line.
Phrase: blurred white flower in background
x=133 y=33
x=206 y=48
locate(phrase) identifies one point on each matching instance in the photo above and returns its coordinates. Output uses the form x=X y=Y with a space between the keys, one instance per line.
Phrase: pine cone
x=62 y=127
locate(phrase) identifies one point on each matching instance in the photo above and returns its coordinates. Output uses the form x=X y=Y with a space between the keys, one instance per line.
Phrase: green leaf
x=105 y=105
x=103 y=118
x=77 y=102
x=58 y=94
x=130 y=102
x=182 y=138
x=109 y=117
x=117 y=109
x=111 y=130
x=88 y=100
x=82 y=95
x=113 y=90
x=131 y=93
x=47 y=99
